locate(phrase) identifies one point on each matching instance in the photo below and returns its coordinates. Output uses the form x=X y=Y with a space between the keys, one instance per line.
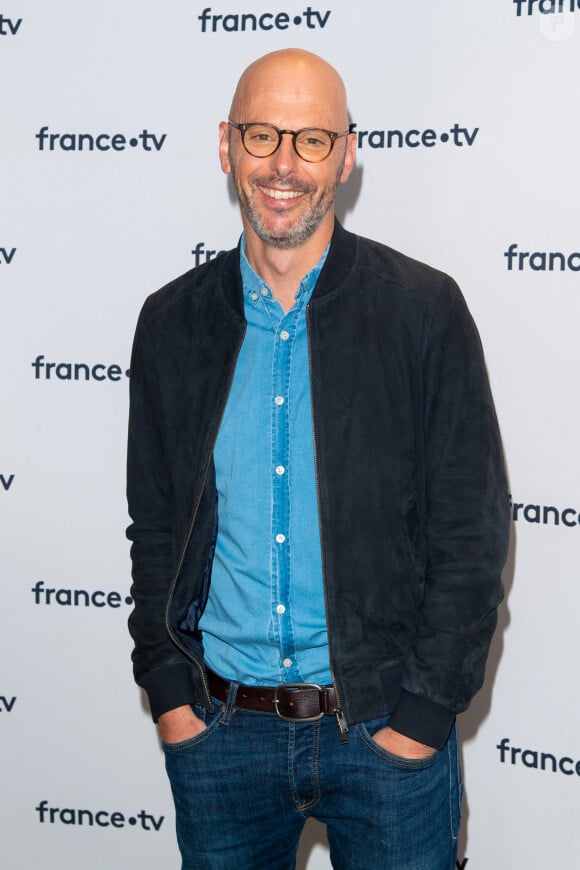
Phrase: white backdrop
x=468 y=115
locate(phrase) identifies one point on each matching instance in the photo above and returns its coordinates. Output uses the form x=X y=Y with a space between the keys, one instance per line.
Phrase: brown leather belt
x=291 y=702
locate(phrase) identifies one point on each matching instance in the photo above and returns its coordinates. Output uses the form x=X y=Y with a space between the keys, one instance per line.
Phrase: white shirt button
x=287 y=663
x=280 y=608
x=253 y=296
x=280 y=538
x=279 y=400
x=284 y=335
x=264 y=291
x=280 y=470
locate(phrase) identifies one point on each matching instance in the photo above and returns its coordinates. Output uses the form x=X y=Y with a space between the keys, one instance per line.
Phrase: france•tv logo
x=249 y=21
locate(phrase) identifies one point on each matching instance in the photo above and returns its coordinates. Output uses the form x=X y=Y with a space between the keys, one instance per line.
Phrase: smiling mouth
x=281 y=194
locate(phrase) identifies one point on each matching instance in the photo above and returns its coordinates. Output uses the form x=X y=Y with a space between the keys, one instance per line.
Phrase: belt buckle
x=297 y=686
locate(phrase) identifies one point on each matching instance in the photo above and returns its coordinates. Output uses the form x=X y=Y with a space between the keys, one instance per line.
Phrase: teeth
x=282 y=194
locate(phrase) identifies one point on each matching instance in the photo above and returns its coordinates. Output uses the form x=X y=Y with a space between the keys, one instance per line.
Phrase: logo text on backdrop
x=546 y=515
x=536 y=760
x=249 y=21
x=8 y=27
x=145 y=140
x=78 y=371
x=545 y=7
x=456 y=135
x=203 y=254
x=102 y=818
x=77 y=597
x=541 y=261
x=7 y=255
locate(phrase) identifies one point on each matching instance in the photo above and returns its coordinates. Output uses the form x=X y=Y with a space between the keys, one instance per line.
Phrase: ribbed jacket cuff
x=421 y=719
x=169 y=687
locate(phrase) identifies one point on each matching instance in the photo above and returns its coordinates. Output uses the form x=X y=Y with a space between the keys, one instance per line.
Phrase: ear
x=349 y=157
x=224 y=149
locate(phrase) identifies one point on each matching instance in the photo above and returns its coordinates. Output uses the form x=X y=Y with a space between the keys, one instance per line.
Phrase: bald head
x=291 y=82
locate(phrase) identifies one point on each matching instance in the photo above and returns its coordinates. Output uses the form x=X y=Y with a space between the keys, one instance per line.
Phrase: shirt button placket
x=281 y=494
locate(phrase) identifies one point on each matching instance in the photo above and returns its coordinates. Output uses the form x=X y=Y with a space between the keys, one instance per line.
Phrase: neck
x=284 y=268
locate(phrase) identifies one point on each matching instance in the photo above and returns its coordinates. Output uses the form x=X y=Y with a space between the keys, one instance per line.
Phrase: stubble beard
x=304 y=227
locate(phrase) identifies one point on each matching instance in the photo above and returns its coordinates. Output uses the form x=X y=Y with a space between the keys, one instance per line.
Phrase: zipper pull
x=342 y=726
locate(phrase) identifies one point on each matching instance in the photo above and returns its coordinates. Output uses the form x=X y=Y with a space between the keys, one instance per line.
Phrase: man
x=319 y=513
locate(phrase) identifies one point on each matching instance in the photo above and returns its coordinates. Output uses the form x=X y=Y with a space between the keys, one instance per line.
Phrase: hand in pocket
x=398 y=744
x=180 y=724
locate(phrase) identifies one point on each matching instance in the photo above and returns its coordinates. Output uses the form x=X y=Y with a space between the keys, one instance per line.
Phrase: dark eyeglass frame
x=243 y=128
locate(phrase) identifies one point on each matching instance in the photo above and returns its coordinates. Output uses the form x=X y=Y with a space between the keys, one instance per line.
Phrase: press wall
x=467 y=123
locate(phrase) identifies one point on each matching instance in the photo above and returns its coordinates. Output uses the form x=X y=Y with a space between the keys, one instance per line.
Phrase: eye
x=261 y=134
x=314 y=140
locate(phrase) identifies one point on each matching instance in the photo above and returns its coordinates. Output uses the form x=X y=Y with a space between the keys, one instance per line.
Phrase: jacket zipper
x=340 y=718
x=192 y=523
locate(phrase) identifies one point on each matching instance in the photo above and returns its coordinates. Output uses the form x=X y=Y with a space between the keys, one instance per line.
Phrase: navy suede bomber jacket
x=413 y=501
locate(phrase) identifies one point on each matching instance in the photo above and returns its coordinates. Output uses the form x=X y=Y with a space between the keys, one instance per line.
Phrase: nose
x=285 y=158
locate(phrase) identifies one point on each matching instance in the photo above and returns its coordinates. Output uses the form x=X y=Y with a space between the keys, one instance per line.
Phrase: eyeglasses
x=310 y=143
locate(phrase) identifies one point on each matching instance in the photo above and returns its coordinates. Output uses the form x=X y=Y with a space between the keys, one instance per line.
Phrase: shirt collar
x=254 y=285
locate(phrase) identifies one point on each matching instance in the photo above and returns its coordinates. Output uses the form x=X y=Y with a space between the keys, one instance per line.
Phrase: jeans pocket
x=369 y=729
x=212 y=721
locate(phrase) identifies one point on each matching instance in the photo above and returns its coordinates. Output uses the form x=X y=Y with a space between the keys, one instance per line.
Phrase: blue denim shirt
x=265 y=620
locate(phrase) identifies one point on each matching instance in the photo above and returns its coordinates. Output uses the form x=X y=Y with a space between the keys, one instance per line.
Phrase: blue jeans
x=245 y=786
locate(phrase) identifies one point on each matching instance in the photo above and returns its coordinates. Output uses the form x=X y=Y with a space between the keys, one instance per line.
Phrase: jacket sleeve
x=159 y=667
x=467 y=527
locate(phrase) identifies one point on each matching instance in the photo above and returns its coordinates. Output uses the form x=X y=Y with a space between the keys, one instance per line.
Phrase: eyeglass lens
x=261 y=140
